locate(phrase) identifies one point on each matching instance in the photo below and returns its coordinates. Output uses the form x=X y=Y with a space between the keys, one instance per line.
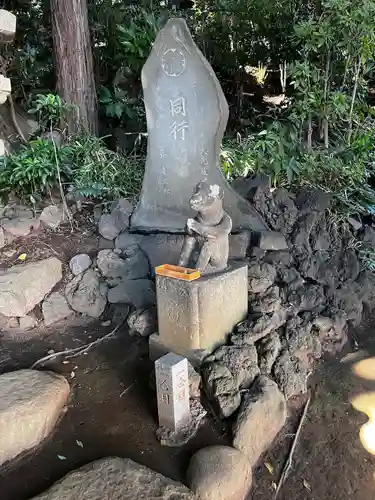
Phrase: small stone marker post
x=172 y=386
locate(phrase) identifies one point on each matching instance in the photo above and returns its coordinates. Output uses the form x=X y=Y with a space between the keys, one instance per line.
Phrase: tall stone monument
x=186 y=118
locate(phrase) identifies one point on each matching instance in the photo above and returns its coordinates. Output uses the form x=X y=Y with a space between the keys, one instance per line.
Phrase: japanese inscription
x=172 y=386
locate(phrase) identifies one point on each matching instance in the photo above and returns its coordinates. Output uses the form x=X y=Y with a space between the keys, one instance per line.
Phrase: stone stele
x=172 y=387
x=195 y=316
x=8 y=22
x=186 y=118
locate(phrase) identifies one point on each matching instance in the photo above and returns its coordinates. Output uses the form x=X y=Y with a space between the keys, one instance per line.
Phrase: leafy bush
x=32 y=171
x=50 y=109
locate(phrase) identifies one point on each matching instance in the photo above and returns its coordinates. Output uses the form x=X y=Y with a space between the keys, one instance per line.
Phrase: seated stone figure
x=206 y=245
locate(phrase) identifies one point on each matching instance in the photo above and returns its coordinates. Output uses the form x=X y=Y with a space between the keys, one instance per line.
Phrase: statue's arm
x=223 y=228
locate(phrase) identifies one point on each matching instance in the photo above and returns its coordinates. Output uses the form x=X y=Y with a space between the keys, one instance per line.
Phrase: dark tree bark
x=74 y=63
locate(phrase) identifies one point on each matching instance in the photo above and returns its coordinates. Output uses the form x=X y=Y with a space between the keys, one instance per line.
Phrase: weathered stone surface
x=277 y=208
x=187 y=431
x=125 y=240
x=52 y=216
x=131 y=263
x=86 y=294
x=180 y=88
x=121 y=212
x=80 y=263
x=116 y=478
x=241 y=360
x=107 y=227
x=5 y=88
x=239 y=244
x=290 y=374
x=260 y=277
x=219 y=473
x=8 y=23
x=28 y=322
x=194 y=382
x=143 y=322
x=313 y=199
x=268 y=350
x=55 y=308
x=25 y=285
x=220 y=302
x=222 y=389
x=137 y=293
x=20 y=227
x=30 y=404
x=261 y=416
x=271 y=240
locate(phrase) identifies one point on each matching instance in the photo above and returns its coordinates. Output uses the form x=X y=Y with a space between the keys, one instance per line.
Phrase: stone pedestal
x=194 y=317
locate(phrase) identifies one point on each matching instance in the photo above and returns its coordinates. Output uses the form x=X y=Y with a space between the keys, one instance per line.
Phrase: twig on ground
x=127 y=389
x=77 y=351
x=288 y=463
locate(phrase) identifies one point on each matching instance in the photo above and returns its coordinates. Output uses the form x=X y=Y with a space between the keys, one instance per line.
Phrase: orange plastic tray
x=178 y=272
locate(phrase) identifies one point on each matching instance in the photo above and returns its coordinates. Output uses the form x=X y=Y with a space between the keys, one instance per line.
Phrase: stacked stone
x=7 y=31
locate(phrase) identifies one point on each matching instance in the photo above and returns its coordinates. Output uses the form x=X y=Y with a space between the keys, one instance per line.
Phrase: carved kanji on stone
x=186 y=118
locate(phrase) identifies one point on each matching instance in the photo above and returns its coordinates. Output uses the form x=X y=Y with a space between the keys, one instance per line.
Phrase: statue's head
x=205 y=196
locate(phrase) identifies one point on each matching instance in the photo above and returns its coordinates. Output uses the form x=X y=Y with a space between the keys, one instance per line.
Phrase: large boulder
x=143 y=322
x=222 y=389
x=219 y=473
x=30 y=405
x=131 y=263
x=116 y=478
x=23 y=286
x=55 y=308
x=261 y=416
x=86 y=294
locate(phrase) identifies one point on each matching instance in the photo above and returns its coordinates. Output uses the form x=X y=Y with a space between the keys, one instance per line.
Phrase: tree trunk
x=74 y=63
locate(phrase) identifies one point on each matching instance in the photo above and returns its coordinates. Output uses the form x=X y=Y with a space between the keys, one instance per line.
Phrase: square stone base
x=195 y=317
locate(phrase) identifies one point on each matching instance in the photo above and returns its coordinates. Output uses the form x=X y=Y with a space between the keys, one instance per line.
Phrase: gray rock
x=86 y=294
x=291 y=277
x=118 y=313
x=143 y=322
x=79 y=263
x=356 y=224
x=52 y=216
x=25 y=285
x=162 y=248
x=125 y=240
x=219 y=473
x=268 y=350
x=55 y=308
x=137 y=293
x=222 y=389
x=173 y=169
x=194 y=382
x=290 y=374
x=20 y=228
x=107 y=227
x=28 y=322
x=239 y=244
x=257 y=327
x=260 y=418
x=260 y=277
x=272 y=240
x=305 y=298
x=116 y=478
x=241 y=361
x=121 y=212
x=2 y=238
x=279 y=259
x=31 y=403
x=188 y=431
x=277 y=207
x=106 y=244
x=132 y=263
x=270 y=302
x=312 y=199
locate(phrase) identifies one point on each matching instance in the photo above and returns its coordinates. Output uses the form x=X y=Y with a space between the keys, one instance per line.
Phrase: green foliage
x=32 y=171
x=101 y=173
x=50 y=110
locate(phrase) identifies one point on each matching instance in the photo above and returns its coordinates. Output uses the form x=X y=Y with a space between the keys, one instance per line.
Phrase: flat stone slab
x=30 y=405
x=116 y=478
x=186 y=118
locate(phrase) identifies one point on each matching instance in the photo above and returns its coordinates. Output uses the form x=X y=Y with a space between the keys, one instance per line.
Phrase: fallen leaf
x=61 y=457
x=72 y=375
x=79 y=443
x=274 y=486
x=269 y=467
x=22 y=257
x=306 y=485
x=106 y=323
x=65 y=362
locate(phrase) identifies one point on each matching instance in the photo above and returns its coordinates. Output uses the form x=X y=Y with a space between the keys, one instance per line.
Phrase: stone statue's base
x=194 y=317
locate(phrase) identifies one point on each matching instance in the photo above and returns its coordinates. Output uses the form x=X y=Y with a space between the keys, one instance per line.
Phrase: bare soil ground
x=112 y=410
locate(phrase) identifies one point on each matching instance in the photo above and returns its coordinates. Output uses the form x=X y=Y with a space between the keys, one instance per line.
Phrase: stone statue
x=207 y=239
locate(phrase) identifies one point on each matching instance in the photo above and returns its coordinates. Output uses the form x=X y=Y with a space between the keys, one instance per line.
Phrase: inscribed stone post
x=172 y=386
x=186 y=118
